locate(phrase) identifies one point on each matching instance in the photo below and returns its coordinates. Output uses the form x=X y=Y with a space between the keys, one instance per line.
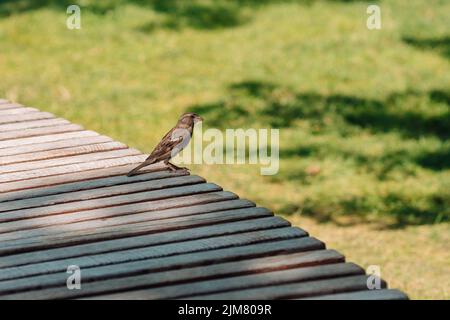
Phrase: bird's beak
x=199 y=119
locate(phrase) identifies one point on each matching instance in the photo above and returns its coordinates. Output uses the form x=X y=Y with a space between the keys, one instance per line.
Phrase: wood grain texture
x=46 y=255
x=167 y=279
x=184 y=260
x=382 y=294
x=149 y=227
x=175 y=213
x=137 y=186
x=32 y=124
x=14 y=160
x=16 y=111
x=125 y=254
x=117 y=152
x=47 y=150
x=70 y=168
x=104 y=207
x=289 y=276
x=73 y=182
x=294 y=290
x=16 y=134
x=24 y=117
x=47 y=138
x=4 y=104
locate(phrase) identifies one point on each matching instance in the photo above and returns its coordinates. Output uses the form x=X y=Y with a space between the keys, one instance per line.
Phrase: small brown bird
x=172 y=143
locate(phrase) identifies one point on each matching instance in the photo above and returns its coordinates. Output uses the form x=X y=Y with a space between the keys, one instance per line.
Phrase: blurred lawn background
x=364 y=115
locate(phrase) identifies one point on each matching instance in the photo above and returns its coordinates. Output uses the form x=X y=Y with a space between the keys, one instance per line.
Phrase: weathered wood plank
x=232 y=239
x=100 y=192
x=7 y=112
x=293 y=290
x=101 y=199
x=101 y=208
x=55 y=162
x=70 y=168
x=77 y=234
x=66 y=136
x=85 y=180
x=26 y=117
x=187 y=260
x=60 y=153
x=197 y=197
x=12 y=135
x=47 y=254
x=382 y=294
x=132 y=224
x=8 y=105
x=32 y=124
x=56 y=282
x=296 y=275
x=48 y=149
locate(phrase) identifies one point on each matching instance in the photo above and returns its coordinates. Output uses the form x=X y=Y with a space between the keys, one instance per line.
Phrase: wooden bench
x=65 y=200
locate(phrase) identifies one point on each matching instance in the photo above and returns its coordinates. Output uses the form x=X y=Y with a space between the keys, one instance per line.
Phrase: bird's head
x=190 y=118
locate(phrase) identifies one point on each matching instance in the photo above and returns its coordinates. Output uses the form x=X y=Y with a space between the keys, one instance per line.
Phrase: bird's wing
x=163 y=150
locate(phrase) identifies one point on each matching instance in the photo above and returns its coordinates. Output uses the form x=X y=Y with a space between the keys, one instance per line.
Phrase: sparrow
x=172 y=143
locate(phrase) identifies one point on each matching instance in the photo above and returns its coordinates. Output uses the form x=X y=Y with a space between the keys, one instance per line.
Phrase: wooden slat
x=56 y=162
x=32 y=124
x=381 y=294
x=12 y=135
x=139 y=222
x=104 y=192
x=183 y=260
x=293 y=290
x=191 y=289
x=100 y=198
x=26 y=117
x=60 y=153
x=48 y=150
x=8 y=105
x=77 y=234
x=149 y=251
x=259 y=265
x=101 y=208
x=45 y=139
x=85 y=180
x=103 y=213
x=70 y=168
x=179 y=213
x=11 y=111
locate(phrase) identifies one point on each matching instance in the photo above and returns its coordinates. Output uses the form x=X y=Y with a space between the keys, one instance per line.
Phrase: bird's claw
x=173 y=168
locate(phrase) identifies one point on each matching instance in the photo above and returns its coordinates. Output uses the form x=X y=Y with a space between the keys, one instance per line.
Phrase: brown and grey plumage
x=172 y=143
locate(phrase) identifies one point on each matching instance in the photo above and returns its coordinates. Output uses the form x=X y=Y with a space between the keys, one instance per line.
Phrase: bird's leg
x=173 y=167
x=170 y=166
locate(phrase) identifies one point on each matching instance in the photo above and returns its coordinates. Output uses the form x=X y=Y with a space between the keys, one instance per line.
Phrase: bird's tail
x=135 y=170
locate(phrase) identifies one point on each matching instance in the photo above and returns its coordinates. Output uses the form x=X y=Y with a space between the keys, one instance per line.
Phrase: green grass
x=364 y=116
